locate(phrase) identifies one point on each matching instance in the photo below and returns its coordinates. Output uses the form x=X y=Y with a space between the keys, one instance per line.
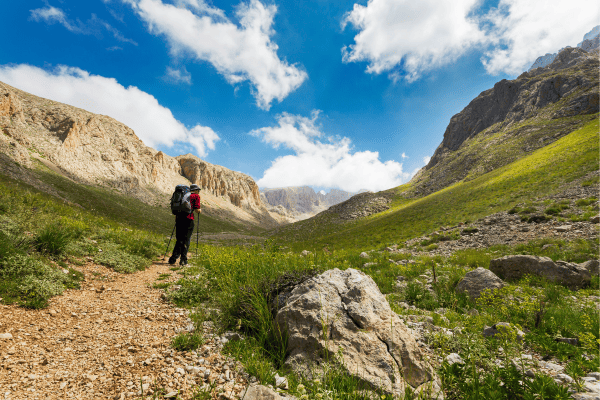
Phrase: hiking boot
x=172 y=260
x=183 y=262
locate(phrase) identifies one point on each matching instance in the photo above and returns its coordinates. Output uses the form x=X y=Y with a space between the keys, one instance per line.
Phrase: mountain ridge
x=99 y=150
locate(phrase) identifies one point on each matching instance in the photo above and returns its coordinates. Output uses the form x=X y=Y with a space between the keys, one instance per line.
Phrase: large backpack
x=180 y=200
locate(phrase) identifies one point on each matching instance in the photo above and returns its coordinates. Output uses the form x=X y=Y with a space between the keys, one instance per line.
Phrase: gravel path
x=101 y=341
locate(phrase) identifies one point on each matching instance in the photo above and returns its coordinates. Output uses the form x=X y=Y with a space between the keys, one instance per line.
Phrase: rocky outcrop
x=239 y=188
x=96 y=149
x=478 y=280
x=345 y=309
x=361 y=205
x=514 y=267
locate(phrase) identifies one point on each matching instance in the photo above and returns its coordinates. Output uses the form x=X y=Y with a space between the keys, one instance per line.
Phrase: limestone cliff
x=97 y=149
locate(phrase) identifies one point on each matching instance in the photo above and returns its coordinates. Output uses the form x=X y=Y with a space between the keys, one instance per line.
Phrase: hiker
x=184 y=223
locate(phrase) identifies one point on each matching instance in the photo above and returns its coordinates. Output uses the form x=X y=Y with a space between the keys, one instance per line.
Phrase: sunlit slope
x=109 y=204
x=538 y=174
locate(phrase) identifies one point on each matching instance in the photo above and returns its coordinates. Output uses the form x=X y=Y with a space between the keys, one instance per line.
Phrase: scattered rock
x=378 y=347
x=502 y=327
x=571 y=341
x=5 y=336
x=595 y=220
x=514 y=267
x=260 y=392
x=563 y=228
x=454 y=358
x=477 y=281
x=305 y=253
x=364 y=255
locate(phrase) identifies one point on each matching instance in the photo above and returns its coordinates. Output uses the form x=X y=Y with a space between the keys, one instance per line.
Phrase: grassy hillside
x=111 y=204
x=541 y=173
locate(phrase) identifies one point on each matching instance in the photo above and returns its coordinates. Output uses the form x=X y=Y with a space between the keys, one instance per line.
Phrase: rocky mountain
x=96 y=149
x=514 y=118
x=591 y=41
x=302 y=202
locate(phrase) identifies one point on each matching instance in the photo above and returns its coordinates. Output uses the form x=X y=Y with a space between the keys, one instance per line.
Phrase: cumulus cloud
x=523 y=30
x=240 y=53
x=323 y=161
x=416 y=35
x=180 y=75
x=152 y=123
x=408 y=38
x=93 y=26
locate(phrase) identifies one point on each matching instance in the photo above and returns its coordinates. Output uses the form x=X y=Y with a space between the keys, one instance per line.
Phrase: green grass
x=539 y=174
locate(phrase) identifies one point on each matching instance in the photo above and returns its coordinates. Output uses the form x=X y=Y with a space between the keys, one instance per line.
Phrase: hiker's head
x=194 y=188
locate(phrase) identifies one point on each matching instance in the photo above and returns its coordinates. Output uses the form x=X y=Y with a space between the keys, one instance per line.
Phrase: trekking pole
x=197 y=229
x=167 y=249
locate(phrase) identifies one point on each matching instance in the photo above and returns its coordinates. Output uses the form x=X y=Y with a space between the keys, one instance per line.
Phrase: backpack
x=180 y=200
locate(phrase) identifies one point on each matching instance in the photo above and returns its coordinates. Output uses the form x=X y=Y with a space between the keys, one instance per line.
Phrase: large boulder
x=477 y=281
x=515 y=267
x=592 y=266
x=341 y=316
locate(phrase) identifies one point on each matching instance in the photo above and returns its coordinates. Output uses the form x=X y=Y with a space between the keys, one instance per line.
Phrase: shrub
x=53 y=239
x=552 y=211
x=187 y=341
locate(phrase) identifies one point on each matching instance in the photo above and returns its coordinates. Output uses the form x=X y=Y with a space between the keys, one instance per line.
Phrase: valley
x=477 y=279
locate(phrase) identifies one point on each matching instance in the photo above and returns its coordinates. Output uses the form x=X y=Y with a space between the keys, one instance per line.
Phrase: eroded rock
x=345 y=310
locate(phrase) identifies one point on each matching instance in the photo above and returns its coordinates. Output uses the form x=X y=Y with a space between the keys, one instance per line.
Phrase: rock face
x=240 y=189
x=96 y=149
x=303 y=202
x=502 y=124
x=345 y=310
x=515 y=267
x=477 y=281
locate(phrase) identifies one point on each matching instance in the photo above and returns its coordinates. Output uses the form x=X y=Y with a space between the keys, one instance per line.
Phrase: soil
x=105 y=341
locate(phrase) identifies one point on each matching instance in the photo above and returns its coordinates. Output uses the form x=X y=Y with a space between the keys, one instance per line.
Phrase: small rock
x=171 y=395
x=595 y=220
x=565 y=378
x=594 y=375
x=364 y=255
x=454 y=358
x=564 y=228
x=571 y=341
x=5 y=336
x=305 y=253
x=259 y=392
x=281 y=381
x=233 y=336
x=499 y=327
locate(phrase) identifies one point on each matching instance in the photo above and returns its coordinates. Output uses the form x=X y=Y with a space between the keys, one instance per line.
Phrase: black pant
x=184 y=227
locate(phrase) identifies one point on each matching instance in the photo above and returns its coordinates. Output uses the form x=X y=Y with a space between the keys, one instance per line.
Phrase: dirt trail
x=100 y=341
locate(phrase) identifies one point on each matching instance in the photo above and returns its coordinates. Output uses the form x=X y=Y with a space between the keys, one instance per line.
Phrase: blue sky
x=346 y=94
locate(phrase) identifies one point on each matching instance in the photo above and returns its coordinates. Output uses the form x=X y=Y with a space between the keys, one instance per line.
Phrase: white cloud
x=179 y=75
x=240 y=53
x=404 y=156
x=407 y=38
x=417 y=35
x=426 y=160
x=323 y=161
x=93 y=26
x=523 y=30
x=152 y=123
